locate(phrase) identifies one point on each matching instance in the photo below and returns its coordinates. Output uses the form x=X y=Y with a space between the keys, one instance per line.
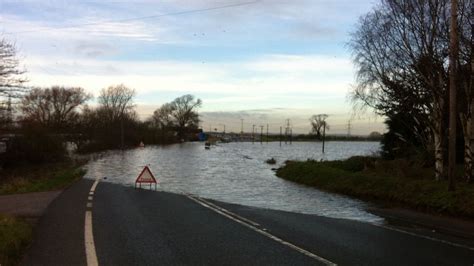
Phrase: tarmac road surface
x=117 y=225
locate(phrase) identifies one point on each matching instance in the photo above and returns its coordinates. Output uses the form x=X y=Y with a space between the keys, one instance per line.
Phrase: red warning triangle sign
x=146 y=176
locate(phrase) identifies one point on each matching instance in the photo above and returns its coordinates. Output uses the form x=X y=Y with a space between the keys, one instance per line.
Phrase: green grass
x=15 y=236
x=39 y=178
x=15 y=233
x=391 y=182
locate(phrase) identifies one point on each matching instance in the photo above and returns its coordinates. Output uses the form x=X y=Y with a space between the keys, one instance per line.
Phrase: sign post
x=145 y=177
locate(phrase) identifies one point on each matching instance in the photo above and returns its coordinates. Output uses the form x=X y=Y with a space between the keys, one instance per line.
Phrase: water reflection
x=237 y=173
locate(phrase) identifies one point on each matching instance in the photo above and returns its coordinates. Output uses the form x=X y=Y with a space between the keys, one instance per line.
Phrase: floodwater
x=237 y=173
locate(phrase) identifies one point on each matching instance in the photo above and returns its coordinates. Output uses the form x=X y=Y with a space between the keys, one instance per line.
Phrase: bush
x=34 y=147
x=395 y=182
x=15 y=236
x=271 y=161
x=353 y=164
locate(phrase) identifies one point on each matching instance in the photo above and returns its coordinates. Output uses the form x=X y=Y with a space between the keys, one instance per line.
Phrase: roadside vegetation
x=15 y=237
x=40 y=177
x=399 y=182
x=407 y=69
x=40 y=127
x=410 y=84
x=15 y=232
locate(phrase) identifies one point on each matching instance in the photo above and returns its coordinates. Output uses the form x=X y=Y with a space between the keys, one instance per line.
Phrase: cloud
x=280 y=50
x=94 y=49
x=302 y=64
x=272 y=75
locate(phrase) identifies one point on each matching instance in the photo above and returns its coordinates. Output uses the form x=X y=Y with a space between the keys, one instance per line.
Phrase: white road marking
x=425 y=237
x=90 y=198
x=94 y=185
x=91 y=255
x=237 y=218
x=378 y=225
x=232 y=214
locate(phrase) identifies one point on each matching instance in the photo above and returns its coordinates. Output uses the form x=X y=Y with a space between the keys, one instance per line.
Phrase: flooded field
x=237 y=173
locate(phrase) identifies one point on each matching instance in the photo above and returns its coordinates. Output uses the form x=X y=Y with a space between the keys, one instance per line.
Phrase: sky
x=261 y=61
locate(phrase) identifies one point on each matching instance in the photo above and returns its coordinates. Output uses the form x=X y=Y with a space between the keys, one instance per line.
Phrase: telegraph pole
x=267 y=133
x=349 y=127
x=253 y=134
x=241 y=129
x=453 y=58
x=121 y=132
x=291 y=135
x=324 y=133
x=261 y=134
x=280 y=135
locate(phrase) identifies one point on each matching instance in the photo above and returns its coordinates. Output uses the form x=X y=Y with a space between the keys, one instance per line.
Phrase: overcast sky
x=262 y=61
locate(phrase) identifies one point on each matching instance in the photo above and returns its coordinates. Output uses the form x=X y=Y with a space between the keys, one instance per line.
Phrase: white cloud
x=107 y=49
x=289 y=74
x=302 y=63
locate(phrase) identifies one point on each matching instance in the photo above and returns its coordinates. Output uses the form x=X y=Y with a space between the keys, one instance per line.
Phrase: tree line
x=401 y=51
x=37 y=122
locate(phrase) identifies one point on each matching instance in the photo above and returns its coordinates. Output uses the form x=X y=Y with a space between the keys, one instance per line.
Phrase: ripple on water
x=237 y=173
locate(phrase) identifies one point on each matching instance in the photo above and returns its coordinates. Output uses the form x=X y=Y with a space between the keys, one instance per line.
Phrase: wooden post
x=253 y=134
x=121 y=133
x=291 y=135
x=324 y=133
x=280 y=136
x=267 y=133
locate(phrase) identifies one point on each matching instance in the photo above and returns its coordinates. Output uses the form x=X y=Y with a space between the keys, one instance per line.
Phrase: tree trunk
x=468 y=127
x=438 y=133
x=453 y=61
x=471 y=143
x=439 y=160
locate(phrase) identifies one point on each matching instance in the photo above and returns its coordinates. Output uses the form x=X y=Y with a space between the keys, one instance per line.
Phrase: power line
x=139 y=18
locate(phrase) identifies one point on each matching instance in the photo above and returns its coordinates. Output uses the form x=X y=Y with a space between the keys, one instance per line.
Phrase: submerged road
x=108 y=224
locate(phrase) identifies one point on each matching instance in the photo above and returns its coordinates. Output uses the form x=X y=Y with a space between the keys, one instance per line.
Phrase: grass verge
x=37 y=178
x=15 y=233
x=396 y=183
x=15 y=237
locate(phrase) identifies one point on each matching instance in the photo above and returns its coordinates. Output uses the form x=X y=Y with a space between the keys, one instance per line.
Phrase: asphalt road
x=140 y=227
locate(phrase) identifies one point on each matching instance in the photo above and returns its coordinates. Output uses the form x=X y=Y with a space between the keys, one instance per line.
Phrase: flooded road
x=237 y=173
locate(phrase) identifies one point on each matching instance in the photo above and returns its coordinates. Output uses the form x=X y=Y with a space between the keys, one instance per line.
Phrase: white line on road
x=91 y=255
x=94 y=185
x=237 y=218
x=425 y=237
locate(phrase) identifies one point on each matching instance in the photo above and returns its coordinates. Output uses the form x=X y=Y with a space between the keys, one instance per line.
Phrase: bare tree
x=465 y=83
x=116 y=101
x=185 y=113
x=163 y=117
x=54 y=107
x=318 y=123
x=401 y=52
x=453 y=61
x=11 y=80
